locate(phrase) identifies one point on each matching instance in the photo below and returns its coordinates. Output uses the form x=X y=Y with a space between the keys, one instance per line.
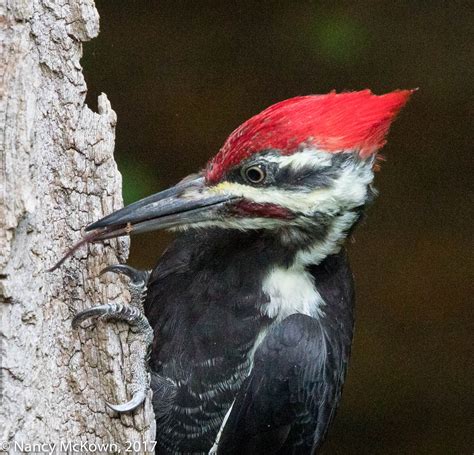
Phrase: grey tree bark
x=57 y=174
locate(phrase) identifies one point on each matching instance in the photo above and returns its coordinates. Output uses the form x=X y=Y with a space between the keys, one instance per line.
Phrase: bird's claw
x=116 y=312
x=138 y=281
x=138 y=278
x=137 y=399
x=140 y=328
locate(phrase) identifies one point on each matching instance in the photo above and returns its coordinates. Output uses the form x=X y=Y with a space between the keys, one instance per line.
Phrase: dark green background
x=183 y=75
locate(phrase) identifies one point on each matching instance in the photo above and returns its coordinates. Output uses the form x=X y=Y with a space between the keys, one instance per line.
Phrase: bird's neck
x=277 y=264
x=326 y=239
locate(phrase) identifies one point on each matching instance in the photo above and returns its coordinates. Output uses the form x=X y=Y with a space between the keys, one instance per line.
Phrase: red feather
x=336 y=122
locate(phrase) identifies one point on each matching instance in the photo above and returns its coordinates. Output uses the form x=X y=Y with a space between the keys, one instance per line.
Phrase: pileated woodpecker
x=251 y=307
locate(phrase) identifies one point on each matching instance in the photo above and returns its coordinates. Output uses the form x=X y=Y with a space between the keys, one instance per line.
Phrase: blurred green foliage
x=138 y=180
x=339 y=38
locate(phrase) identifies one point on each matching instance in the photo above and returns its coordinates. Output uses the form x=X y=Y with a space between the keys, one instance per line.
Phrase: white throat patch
x=291 y=290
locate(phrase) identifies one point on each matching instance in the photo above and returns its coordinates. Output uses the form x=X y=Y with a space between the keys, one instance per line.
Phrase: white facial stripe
x=242 y=224
x=331 y=244
x=349 y=191
x=305 y=158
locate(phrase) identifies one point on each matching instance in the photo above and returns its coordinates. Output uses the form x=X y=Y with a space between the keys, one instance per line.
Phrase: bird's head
x=296 y=168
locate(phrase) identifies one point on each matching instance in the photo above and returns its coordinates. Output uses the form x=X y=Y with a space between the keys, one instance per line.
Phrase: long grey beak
x=188 y=202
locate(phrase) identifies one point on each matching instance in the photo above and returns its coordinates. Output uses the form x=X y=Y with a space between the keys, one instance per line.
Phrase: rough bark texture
x=57 y=175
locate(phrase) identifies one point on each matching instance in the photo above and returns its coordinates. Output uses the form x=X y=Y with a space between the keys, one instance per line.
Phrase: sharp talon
x=141 y=331
x=138 y=277
x=95 y=311
x=126 y=313
x=134 y=403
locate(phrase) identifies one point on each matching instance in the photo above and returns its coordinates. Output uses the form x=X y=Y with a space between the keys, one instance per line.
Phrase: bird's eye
x=254 y=174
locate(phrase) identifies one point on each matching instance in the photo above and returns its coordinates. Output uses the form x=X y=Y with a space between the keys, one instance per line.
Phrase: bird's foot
x=141 y=333
x=138 y=281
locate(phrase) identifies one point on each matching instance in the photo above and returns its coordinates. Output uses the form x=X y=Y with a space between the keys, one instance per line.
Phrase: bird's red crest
x=336 y=122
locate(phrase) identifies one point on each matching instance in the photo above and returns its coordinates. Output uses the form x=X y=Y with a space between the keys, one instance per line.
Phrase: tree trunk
x=57 y=174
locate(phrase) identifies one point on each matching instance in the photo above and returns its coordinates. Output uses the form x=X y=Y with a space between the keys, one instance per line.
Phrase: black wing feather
x=290 y=397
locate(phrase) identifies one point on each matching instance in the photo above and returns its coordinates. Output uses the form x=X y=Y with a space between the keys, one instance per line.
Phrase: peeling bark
x=57 y=174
